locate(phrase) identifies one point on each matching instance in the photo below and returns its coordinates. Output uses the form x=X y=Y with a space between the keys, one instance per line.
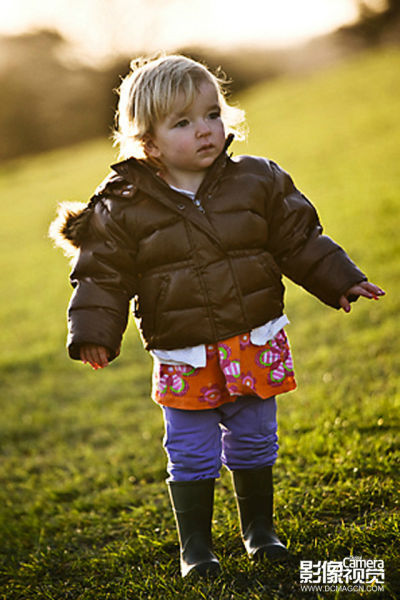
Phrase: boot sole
x=205 y=570
x=272 y=552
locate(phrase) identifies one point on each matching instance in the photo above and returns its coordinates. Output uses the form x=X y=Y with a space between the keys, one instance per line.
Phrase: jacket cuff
x=101 y=327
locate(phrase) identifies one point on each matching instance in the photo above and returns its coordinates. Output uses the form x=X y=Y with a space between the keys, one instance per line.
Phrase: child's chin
x=207 y=160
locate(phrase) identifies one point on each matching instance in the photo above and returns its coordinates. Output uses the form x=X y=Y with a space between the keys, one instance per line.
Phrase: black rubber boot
x=192 y=502
x=254 y=495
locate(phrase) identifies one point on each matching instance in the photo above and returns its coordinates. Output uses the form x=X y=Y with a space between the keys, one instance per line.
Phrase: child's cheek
x=177 y=143
x=183 y=148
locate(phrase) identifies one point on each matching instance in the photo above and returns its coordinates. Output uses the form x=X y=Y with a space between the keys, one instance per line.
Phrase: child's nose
x=203 y=128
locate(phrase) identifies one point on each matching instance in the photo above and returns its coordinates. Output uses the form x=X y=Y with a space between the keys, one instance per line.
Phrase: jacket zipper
x=200 y=276
x=198 y=205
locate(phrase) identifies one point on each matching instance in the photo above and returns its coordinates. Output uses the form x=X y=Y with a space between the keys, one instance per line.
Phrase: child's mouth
x=206 y=148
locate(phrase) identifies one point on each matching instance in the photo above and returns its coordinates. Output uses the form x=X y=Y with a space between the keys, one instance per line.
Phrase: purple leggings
x=239 y=435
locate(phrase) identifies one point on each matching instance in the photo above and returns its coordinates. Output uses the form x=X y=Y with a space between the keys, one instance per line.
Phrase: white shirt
x=196 y=356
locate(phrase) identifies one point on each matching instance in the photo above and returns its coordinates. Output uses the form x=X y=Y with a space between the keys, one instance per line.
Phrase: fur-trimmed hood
x=69 y=228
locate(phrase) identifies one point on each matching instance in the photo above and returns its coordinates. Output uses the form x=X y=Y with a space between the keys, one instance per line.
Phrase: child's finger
x=96 y=356
x=102 y=357
x=377 y=291
x=83 y=355
x=345 y=304
x=99 y=357
x=91 y=358
x=373 y=289
x=366 y=292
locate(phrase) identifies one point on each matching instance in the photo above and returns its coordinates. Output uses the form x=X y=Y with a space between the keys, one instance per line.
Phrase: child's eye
x=215 y=114
x=182 y=123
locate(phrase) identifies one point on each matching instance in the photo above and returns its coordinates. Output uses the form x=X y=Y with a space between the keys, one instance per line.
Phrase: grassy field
x=84 y=512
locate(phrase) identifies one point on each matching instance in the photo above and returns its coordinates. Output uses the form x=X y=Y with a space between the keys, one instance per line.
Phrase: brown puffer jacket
x=199 y=271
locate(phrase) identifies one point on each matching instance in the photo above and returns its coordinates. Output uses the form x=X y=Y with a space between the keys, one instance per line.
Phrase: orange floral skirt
x=235 y=367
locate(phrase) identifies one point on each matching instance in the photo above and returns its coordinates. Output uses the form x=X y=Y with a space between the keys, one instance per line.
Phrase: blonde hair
x=148 y=93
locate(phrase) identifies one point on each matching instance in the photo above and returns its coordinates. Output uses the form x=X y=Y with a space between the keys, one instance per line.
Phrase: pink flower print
x=275 y=349
x=288 y=363
x=224 y=353
x=173 y=380
x=231 y=370
x=249 y=380
x=185 y=370
x=162 y=384
x=277 y=357
x=244 y=341
x=174 y=383
x=211 y=394
x=277 y=375
x=177 y=385
x=280 y=338
x=267 y=357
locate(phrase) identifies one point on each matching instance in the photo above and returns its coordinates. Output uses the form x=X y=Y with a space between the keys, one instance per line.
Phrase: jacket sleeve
x=104 y=281
x=302 y=252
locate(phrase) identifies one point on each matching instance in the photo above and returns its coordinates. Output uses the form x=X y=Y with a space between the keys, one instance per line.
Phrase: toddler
x=199 y=241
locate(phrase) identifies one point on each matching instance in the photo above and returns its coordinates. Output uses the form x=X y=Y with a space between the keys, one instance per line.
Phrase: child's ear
x=150 y=147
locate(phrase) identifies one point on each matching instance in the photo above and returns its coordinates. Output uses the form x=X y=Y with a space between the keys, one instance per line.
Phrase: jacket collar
x=144 y=177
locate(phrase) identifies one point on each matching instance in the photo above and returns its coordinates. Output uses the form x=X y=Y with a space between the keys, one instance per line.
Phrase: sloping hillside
x=84 y=510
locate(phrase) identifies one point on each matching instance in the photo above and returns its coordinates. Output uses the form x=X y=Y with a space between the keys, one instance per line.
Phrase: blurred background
x=83 y=507
x=60 y=60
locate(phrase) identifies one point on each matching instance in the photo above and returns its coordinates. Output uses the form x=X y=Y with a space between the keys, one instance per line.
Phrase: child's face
x=188 y=140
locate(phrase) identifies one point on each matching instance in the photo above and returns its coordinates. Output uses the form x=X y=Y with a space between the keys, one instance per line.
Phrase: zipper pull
x=198 y=205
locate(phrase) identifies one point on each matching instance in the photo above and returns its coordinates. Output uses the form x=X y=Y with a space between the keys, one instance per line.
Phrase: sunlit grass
x=84 y=512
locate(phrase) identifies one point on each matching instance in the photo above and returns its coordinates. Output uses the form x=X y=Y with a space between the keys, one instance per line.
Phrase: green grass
x=84 y=512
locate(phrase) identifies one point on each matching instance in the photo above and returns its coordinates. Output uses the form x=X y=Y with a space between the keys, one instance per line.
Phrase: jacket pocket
x=158 y=305
x=269 y=265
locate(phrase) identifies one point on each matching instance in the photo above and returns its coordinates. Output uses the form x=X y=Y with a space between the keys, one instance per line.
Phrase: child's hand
x=96 y=356
x=365 y=288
